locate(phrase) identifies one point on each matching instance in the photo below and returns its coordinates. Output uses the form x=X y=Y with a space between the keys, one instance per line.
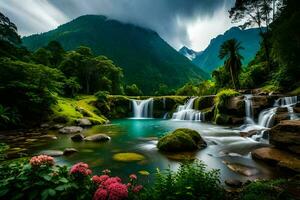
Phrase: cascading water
x=142 y=108
x=186 y=112
x=266 y=117
x=248 y=109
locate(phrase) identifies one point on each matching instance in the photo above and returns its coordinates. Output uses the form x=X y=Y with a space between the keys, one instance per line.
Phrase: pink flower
x=129 y=185
x=137 y=188
x=110 y=181
x=133 y=177
x=99 y=179
x=81 y=168
x=106 y=171
x=117 y=191
x=41 y=160
x=100 y=194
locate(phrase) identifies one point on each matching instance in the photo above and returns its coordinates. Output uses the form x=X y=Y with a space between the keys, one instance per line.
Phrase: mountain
x=208 y=60
x=189 y=53
x=146 y=59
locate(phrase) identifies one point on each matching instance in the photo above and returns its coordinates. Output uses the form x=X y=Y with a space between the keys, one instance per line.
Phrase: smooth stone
x=286 y=135
x=69 y=151
x=45 y=125
x=77 y=138
x=56 y=126
x=31 y=140
x=71 y=129
x=128 y=157
x=53 y=153
x=181 y=156
x=234 y=183
x=97 y=138
x=278 y=157
x=241 y=169
x=84 y=122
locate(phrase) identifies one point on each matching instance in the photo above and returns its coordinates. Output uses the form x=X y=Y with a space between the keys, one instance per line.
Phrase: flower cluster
x=81 y=169
x=37 y=161
x=112 y=188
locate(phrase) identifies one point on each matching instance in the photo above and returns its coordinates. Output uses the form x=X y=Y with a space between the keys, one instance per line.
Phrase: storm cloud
x=180 y=22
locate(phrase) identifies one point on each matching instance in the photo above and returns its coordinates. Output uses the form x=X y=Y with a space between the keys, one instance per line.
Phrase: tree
x=230 y=51
x=256 y=13
x=42 y=56
x=133 y=90
x=57 y=52
x=8 y=31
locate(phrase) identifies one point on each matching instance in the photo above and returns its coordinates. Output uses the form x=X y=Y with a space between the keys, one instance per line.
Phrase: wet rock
x=77 y=138
x=53 y=137
x=70 y=129
x=182 y=156
x=53 y=153
x=241 y=169
x=234 y=183
x=97 y=138
x=181 y=140
x=84 y=122
x=260 y=103
x=69 y=151
x=56 y=126
x=297 y=108
x=278 y=157
x=204 y=102
x=45 y=125
x=249 y=133
x=286 y=135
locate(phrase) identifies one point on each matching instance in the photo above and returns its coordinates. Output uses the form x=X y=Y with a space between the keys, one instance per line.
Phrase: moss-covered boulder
x=204 y=102
x=181 y=140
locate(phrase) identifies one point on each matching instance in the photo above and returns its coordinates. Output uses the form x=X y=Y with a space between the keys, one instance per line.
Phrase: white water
x=186 y=112
x=142 y=108
x=266 y=117
x=249 y=119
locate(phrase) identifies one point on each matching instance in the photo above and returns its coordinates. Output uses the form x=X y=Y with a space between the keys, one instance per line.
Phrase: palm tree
x=230 y=51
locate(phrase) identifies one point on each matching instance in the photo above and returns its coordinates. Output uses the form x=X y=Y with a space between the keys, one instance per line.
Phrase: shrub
x=191 y=181
x=267 y=190
x=133 y=90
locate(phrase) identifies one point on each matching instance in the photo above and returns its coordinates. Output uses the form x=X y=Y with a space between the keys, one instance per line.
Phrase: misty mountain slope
x=208 y=60
x=145 y=57
x=189 y=53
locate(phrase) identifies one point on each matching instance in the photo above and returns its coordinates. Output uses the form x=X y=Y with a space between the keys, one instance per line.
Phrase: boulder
x=84 y=122
x=69 y=151
x=181 y=140
x=77 y=138
x=70 y=129
x=204 y=102
x=241 y=169
x=236 y=106
x=297 y=107
x=280 y=158
x=260 y=103
x=56 y=126
x=286 y=135
x=97 y=138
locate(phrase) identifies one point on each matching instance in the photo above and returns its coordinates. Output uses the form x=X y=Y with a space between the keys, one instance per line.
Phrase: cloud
x=172 y=19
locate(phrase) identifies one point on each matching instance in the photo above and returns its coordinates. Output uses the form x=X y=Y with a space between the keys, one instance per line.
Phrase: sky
x=191 y=23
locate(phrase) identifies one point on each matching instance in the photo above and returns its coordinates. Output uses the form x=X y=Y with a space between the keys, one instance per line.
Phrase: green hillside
x=145 y=57
x=208 y=60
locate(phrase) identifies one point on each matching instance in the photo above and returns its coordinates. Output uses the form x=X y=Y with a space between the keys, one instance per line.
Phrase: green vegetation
x=230 y=51
x=268 y=190
x=191 y=181
x=133 y=90
x=181 y=140
x=146 y=59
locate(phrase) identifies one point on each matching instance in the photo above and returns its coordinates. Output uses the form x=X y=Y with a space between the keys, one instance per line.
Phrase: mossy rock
x=128 y=157
x=222 y=119
x=204 y=102
x=181 y=140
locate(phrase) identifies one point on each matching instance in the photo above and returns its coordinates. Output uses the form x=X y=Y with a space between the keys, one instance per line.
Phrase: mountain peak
x=189 y=53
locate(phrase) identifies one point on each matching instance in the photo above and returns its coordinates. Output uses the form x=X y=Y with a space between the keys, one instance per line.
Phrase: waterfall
x=248 y=109
x=164 y=103
x=186 y=112
x=266 y=117
x=142 y=108
x=289 y=103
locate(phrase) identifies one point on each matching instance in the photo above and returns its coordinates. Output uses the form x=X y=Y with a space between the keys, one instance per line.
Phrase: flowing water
x=225 y=148
x=142 y=108
x=186 y=112
x=249 y=119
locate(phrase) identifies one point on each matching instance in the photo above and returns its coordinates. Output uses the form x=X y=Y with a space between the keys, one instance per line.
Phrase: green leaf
x=63 y=180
